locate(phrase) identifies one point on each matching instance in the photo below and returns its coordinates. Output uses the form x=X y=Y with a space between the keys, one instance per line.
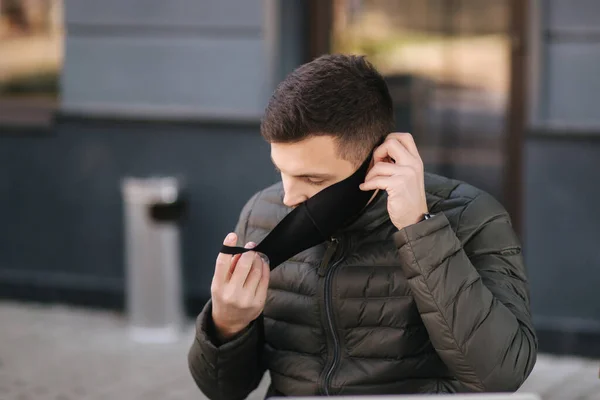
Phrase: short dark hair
x=339 y=95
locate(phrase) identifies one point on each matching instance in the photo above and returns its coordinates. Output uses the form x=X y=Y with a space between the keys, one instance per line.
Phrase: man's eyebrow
x=317 y=175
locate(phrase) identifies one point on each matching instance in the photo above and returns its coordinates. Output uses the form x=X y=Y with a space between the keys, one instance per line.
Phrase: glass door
x=448 y=65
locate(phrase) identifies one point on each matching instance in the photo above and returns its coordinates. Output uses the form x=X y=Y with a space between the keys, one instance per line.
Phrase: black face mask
x=315 y=220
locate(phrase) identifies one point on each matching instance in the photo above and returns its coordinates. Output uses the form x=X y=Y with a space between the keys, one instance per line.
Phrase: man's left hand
x=398 y=169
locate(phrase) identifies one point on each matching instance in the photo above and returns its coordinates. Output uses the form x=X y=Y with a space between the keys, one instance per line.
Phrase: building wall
x=177 y=88
x=148 y=88
x=210 y=58
x=562 y=171
x=62 y=213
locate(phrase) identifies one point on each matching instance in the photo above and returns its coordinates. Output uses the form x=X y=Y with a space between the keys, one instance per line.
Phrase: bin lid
x=153 y=190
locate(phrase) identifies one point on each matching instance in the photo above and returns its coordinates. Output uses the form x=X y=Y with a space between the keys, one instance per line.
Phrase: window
x=448 y=66
x=31 y=41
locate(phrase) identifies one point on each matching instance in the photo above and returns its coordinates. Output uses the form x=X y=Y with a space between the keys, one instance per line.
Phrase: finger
x=398 y=152
x=408 y=141
x=254 y=276
x=242 y=269
x=236 y=258
x=393 y=149
x=234 y=262
x=386 y=169
x=382 y=169
x=380 y=182
x=263 y=284
x=385 y=175
x=223 y=263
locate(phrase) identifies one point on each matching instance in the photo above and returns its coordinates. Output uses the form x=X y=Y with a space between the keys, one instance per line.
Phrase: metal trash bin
x=154 y=297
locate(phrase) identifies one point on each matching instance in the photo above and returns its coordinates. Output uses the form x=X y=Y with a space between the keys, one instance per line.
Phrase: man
x=424 y=292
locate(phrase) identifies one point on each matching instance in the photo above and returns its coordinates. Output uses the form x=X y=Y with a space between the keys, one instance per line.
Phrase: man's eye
x=315 y=182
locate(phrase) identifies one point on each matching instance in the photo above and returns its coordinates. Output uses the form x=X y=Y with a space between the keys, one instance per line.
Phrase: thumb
x=231 y=239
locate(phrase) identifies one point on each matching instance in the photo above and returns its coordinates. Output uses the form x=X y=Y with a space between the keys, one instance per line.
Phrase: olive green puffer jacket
x=438 y=307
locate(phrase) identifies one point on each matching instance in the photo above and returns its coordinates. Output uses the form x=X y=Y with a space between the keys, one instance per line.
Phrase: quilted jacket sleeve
x=473 y=297
x=232 y=370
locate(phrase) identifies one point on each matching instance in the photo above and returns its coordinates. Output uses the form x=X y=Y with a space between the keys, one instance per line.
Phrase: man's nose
x=291 y=197
x=292 y=200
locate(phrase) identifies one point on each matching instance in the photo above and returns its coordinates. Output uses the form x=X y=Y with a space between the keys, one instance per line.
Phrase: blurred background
x=503 y=94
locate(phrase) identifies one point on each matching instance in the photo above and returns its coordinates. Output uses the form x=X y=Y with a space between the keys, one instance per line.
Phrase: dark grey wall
x=61 y=207
x=563 y=230
x=562 y=175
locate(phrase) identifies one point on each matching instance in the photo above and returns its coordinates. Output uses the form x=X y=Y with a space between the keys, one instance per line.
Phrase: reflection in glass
x=448 y=66
x=31 y=40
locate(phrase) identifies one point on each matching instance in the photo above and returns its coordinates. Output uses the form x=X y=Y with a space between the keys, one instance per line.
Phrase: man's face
x=309 y=166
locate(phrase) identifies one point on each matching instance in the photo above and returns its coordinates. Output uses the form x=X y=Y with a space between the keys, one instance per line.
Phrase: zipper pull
x=331 y=248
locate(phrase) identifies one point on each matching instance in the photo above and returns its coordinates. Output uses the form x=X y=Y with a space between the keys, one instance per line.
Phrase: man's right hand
x=239 y=290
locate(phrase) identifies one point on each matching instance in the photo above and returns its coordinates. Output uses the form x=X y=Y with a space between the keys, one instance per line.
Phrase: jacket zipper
x=329 y=311
x=329 y=252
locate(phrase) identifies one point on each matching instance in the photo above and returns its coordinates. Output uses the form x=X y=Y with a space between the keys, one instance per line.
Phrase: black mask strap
x=315 y=220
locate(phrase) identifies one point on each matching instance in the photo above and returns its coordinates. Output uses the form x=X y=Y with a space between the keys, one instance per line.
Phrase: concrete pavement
x=60 y=353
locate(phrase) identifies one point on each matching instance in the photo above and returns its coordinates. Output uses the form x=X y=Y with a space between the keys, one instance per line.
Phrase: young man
x=424 y=292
